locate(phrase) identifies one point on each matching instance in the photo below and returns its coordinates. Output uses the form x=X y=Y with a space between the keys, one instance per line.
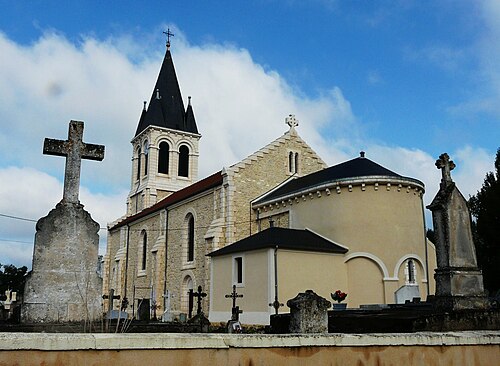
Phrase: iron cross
x=234 y=295
x=168 y=34
x=199 y=296
x=74 y=149
x=446 y=165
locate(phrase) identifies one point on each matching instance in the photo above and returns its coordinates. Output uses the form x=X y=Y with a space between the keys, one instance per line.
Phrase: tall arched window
x=290 y=162
x=183 y=161
x=190 y=238
x=296 y=162
x=411 y=272
x=138 y=163
x=144 y=249
x=163 y=158
x=146 y=157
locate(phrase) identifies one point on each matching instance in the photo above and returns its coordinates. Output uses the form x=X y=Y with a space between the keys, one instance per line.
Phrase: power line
x=17 y=218
x=17 y=241
x=31 y=220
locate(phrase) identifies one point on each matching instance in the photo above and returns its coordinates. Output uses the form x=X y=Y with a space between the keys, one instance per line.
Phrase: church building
x=356 y=226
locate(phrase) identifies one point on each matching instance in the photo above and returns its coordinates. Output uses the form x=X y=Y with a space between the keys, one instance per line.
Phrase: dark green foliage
x=12 y=278
x=485 y=207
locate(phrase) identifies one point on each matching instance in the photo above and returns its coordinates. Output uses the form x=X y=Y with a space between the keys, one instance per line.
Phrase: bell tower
x=165 y=145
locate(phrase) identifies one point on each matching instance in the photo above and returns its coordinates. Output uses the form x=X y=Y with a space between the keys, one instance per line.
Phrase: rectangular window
x=238 y=270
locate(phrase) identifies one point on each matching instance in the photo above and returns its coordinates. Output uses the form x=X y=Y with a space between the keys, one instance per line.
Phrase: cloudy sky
x=403 y=80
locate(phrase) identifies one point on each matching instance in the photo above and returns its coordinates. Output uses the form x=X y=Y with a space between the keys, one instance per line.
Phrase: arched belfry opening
x=183 y=170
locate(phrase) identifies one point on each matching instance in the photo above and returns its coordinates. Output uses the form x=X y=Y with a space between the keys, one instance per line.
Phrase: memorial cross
x=235 y=311
x=74 y=149
x=446 y=165
x=111 y=296
x=292 y=121
x=199 y=296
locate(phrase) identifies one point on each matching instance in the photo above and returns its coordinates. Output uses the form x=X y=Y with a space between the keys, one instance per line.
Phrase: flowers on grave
x=339 y=296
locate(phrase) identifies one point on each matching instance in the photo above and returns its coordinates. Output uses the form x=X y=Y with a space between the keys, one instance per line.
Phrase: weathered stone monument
x=64 y=284
x=308 y=313
x=459 y=282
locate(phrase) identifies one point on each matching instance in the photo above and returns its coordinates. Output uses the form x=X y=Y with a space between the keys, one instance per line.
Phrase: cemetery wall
x=457 y=348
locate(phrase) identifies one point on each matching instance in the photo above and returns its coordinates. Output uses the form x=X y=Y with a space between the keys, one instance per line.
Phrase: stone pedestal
x=309 y=313
x=64 y=285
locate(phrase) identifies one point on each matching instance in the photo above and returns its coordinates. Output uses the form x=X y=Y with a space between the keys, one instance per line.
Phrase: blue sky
x=403 y=80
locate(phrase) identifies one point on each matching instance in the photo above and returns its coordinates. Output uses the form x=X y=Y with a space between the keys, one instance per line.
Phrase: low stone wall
x=452 y=348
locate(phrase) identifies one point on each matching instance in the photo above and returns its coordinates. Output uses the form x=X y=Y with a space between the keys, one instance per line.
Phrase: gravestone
x=308 y=313
x=459 y=282
x=64 y=285
x=234 y=325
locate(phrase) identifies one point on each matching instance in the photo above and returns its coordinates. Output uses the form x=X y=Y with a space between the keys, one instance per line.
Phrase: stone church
x=171 y=238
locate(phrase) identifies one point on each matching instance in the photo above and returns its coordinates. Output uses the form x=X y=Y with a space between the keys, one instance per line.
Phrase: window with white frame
x=238 y=271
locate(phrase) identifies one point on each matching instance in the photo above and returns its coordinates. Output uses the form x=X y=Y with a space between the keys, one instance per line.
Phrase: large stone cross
x=74 y=149
x=446 y=165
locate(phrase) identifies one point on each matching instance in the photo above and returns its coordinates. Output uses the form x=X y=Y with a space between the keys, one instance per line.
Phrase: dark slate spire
x=166 y=108
x=190 y=121
x=141 y=126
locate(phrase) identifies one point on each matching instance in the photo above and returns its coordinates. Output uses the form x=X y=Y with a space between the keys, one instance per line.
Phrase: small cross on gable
x=292 y=121
x=446 y=165
x=74 y=149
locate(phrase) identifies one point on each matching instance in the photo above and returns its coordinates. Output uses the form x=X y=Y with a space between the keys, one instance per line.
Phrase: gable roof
x=284 y=238
x=355 y=168
x=203 y=185
x=166 y=108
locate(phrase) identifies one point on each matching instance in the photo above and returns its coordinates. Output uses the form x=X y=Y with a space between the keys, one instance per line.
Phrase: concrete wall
x=459 y=348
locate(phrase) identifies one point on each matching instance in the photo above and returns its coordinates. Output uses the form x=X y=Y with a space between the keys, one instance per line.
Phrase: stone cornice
x=400 y=183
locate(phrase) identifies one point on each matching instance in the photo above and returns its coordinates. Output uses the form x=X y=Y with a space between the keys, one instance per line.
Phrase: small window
x=144 y=250
x=183 y=161
x=190 y=243
x=290 y=162
x=139 y=152
x=238 y=270
x=163 y=158
x=411 y=272
x=146 y=158
x=296 y=162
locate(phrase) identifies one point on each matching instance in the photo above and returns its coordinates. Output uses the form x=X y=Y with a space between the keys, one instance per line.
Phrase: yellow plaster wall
x=300 y=271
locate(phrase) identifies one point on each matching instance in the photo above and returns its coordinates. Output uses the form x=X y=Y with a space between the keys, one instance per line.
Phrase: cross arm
x=55 y=147
x=93 y=152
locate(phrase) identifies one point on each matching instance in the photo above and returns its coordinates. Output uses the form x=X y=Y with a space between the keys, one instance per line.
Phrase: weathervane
x=169 y=34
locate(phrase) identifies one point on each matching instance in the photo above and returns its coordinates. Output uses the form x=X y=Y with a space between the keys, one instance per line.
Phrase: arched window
x=411 y=271
x=138 y=163
x=190 y=238
x=144 y=249
x=187 y=284
x=146 y=157
x=163 y=158
x=290 y=162
x=183 y=161
x=296 y=162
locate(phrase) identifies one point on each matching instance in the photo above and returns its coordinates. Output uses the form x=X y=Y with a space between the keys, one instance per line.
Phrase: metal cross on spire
x=446 y=165
x=168 y=34
x=74 y=149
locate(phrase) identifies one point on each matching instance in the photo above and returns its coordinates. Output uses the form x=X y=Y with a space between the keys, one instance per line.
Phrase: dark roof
x=284 y=238
x=355 y=168
x=166 y=108
x=209 y=182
